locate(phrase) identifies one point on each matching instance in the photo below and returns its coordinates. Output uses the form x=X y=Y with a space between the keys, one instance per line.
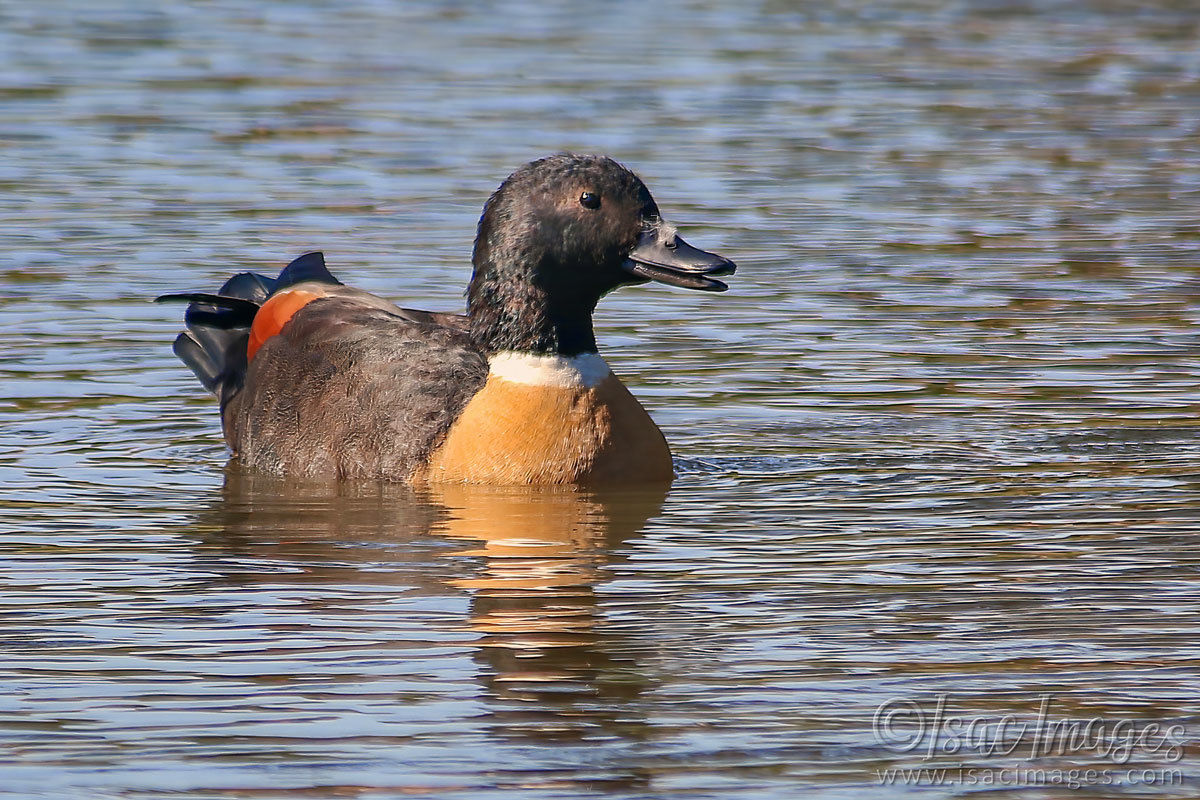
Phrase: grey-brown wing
x=353 y=390
x=364 y=298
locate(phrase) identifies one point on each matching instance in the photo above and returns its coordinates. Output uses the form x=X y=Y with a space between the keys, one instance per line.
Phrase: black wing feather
x=218 y=324
x=308 y=267
x=192 y=353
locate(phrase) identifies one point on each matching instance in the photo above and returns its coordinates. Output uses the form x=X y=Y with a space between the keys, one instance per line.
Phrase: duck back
x=349 y=390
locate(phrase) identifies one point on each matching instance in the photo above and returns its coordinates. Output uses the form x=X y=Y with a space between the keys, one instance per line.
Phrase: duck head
x=559 y=234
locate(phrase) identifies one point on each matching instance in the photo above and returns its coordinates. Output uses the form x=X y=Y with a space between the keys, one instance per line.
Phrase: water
x=937 y=444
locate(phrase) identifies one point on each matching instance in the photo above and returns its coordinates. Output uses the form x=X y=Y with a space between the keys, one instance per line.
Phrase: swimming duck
x=317 y=379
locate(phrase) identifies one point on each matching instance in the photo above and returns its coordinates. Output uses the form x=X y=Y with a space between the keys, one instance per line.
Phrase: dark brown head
x=559 y=234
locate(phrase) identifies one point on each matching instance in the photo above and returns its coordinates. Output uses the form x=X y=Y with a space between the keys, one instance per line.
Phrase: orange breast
x=515 y=433
x=274 y=314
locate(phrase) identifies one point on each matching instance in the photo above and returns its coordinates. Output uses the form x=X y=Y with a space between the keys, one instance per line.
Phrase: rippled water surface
x=937 y=446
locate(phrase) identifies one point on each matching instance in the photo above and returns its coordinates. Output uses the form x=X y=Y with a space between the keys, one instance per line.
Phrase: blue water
x=938 y=443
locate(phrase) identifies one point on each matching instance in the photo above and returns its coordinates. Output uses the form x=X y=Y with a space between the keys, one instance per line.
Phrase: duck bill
x=661 y=255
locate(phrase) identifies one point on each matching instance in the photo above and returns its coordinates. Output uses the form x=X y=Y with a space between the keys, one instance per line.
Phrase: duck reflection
x=530 y=560
x=534 y=601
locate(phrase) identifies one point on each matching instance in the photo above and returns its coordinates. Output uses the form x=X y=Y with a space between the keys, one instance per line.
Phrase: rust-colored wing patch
x=274 y=314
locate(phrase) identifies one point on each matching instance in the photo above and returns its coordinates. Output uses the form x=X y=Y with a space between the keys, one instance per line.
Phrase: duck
x=319 y=380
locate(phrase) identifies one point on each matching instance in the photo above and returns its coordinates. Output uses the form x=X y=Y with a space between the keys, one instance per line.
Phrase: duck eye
x=589 y=200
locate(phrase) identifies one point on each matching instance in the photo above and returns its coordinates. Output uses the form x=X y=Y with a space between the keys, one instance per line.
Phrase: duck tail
x=218 y=325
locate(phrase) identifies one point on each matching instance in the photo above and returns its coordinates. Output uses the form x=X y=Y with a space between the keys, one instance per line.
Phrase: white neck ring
x=534 y=369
